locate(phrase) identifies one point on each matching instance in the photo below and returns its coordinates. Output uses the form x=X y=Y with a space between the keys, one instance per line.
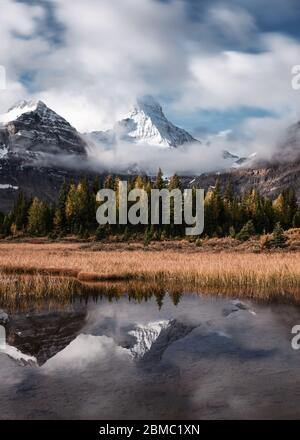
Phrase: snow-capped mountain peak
x=30 y=129
x=145 y=336
x=148 y=105
x=146 y=123
x=23 y=109
x=25 y=105
x=19 y=109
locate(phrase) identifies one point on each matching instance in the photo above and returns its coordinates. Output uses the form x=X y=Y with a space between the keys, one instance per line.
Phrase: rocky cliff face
x=32 y=127
x=269 y=179
x=43 y=334
x=33 y=179
x=38 y=150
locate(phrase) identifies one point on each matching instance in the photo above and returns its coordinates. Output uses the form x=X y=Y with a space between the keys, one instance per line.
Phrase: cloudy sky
x=215 y=66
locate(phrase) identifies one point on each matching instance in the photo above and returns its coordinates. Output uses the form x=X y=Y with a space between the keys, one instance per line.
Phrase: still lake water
x=193 y=357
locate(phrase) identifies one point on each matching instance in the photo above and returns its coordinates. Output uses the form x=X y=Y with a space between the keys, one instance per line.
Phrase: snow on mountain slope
x=17 y=110
x=31 y=126
x=145 y=123
x=39 y=149
x=3 y=151
x=8 y=186
x=145 y=336
x=21 y=358
x=245 y=162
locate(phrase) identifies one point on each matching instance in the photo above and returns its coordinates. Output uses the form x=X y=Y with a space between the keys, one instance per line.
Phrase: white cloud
x=110 y=52
x=193 y=158
x=86 y=350
x=235 y=23
x=232 y=79
x=20 y=46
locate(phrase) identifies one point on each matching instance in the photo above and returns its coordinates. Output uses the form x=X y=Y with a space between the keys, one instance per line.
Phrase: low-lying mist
x=273 y=144
x=188 y=159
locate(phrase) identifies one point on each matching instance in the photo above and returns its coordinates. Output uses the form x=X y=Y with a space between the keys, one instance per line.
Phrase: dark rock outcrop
x=43 y=334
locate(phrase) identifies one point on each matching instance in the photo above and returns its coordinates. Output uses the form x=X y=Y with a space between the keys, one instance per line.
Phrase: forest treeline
x=226 y=213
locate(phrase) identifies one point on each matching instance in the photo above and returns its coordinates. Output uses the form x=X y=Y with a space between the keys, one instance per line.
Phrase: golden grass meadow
x=60 y=269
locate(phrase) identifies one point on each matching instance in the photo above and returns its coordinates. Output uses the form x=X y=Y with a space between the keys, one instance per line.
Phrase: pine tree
x=176 y=297
x=139 y=182
x=246 y=232
x=160 y=298
x=292 y=206
x=58 y=222
x=71 y=209
x=208 y=216
x=174 y=230
x=214 y=217
x=80 y=208
x=232 y=232
x=279 y=207
x=109 y=182
x=39 y=218
x=95 y=185
x=159 y=181
x=1 y=221
x=147 y=236
x=285 y=207
x=20 y=212
x=86 y=205
x=6 y=224
x=100 y=233
x=174 y=183
x=60 y=219
x=158 y=184
x=126 y=234
x=270 y=214
x=278 y=237
x=229 y=206
x=296 y=219
x=253 y=207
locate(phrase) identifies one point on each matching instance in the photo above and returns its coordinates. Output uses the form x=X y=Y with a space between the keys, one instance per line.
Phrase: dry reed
x=59 y=268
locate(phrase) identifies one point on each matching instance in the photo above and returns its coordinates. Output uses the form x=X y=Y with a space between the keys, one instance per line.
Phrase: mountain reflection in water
x=151 y=355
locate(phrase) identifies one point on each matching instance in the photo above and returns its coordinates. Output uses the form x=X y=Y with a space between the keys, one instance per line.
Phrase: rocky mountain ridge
x=39 y=149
